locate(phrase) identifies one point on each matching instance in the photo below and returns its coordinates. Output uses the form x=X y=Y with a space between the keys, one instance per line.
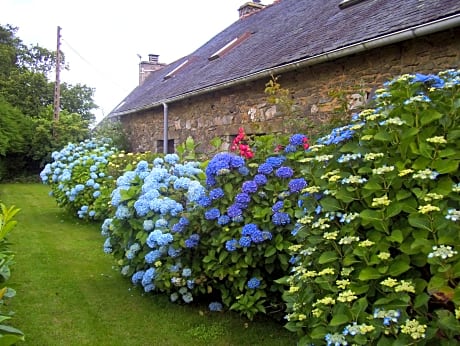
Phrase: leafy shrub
x=148 y=232
x=79 y=178
x=377 y=261
x=8 y=335
x=249 y=214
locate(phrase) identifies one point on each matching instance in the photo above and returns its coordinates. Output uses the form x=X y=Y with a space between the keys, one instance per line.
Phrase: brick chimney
x=249 y=8
x=147 y=67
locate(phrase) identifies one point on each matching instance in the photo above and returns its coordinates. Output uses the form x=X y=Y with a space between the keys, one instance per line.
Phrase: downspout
x=165 y=128
x=381 y=41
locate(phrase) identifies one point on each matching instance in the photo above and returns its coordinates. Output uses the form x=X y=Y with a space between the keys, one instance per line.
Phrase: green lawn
x=68 y=293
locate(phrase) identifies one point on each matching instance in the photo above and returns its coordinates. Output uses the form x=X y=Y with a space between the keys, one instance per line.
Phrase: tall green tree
x=28 y=133
x=78 y=99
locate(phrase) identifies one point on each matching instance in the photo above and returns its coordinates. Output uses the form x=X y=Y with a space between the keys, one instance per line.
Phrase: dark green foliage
x=28 y=133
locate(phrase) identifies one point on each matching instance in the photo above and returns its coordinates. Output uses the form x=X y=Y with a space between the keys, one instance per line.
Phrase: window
x=229 y=46
x=173 y=72
x=347 y=3
x=170 y=146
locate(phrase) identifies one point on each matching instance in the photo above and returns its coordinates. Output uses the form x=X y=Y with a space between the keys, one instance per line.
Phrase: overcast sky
x=101 y=39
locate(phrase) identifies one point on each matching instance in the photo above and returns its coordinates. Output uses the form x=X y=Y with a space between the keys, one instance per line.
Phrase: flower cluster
x=384 y=205
x=152 y=202
x=79 y=177
x=240 y=145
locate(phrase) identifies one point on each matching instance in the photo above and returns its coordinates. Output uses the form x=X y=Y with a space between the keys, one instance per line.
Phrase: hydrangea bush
x=149 y=232
x=79 y=178
x=377 y=261
x=249 y=214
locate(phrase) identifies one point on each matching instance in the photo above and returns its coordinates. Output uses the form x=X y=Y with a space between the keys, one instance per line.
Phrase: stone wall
x=312 y=89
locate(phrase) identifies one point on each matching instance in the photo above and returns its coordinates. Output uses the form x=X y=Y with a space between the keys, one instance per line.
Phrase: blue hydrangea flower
x=177 y=228
x=242 y=200
x=223 y=220
x=249 y=187
x=216 y=193
x=142 y=207
x=260 y=179
x=297 y=185
x=249 y=229
x=152 y=256
x=204 y=201
x=137 y=277
x=172 y=252
x=265 y=168
x=284 y=172
x=148 y=225
x=243 y=170
x=186 y=272
x=184 y=221
x=192 y=241
x=171 y=158
x=275 y=161
x=253 y=283
x=215 y=306
x=122 y=212
x=290 y=148
x=278 y=206
x=245 y=241
x=212 y=214
x=337 y=135
x=149 y=275
x=234 y=211
x=281 y=219
x=231 y=245
x=297 y=139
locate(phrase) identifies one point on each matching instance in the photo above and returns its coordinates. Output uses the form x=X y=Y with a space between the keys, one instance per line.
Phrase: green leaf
x=383 y=136
x=372 y=185
x=419 y=221
x=369 y=273
x=421 y=300
x=327 y=257
x=429 y=115
x=445 y=166
x=400 y=265
x=270 y=251
x=369 y=215
x=393 y=209
x=339 y=319
x=330 y=204
x=403 y=194
x=396 y=236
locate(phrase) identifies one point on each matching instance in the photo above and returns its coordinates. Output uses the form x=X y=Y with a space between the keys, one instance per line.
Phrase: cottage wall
x=317 y=92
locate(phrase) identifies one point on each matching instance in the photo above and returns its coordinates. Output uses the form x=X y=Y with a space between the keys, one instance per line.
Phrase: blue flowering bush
x=78 y=177
x=149 y=233
x=249 y=213
x=377 y=259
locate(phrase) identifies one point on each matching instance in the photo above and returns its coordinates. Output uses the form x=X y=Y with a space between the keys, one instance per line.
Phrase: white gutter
x=399 y=36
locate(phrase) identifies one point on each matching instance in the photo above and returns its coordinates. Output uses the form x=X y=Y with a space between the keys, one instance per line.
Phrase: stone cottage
x=313 y=47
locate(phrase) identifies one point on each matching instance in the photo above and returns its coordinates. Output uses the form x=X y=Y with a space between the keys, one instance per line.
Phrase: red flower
x=306 y=145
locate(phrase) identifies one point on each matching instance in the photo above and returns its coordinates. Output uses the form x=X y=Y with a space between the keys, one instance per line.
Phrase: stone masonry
x=221 y=113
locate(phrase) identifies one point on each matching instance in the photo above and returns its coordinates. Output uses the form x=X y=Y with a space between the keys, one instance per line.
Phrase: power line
x=101 y=73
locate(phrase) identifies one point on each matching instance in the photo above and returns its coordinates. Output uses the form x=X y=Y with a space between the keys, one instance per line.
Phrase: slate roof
x=281 y=34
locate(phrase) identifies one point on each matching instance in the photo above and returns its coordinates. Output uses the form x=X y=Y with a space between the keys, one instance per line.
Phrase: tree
x=78 y=99
x=26 y=107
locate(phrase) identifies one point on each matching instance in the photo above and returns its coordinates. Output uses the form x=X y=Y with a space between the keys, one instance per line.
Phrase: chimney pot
x=249 y=8
x=153 y=58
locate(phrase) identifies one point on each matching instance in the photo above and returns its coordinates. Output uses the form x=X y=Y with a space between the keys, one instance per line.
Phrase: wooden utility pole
x=57 y=84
